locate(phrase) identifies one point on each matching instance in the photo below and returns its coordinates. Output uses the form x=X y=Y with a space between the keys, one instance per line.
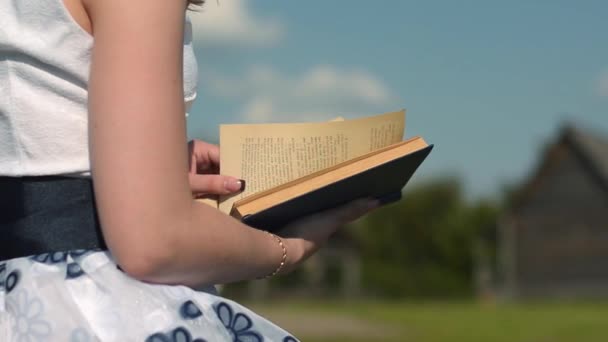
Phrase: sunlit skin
x=145 y=175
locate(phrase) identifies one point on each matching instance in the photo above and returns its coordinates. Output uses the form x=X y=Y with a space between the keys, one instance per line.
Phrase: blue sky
x=488 y=82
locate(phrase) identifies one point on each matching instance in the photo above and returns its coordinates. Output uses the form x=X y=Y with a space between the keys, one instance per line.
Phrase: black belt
x=47 y=214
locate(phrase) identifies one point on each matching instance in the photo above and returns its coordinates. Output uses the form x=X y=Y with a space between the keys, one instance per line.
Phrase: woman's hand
x=204 y=165
x=305 y=236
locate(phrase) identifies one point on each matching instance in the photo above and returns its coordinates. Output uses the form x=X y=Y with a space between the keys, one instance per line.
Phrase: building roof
x=593 y=146
x=590 y=146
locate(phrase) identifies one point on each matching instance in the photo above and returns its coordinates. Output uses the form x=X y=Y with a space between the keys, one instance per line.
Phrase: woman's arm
x=137 y=132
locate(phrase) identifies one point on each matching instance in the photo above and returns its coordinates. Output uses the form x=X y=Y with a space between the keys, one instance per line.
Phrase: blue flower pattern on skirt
x=2 y=275
x=189 y=310
x=80 y=252
x=29 y=323
x=32 y=314
x=180 y=334
x=60 y=257
x=12 y=280
x=51 y=258
x=238 y=325
x=73 y=270
x=80 y=335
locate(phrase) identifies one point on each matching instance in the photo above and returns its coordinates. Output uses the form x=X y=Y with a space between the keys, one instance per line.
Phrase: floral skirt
x=82 y=296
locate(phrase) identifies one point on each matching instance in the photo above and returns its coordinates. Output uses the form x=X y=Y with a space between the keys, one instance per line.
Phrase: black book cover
x=384 y=182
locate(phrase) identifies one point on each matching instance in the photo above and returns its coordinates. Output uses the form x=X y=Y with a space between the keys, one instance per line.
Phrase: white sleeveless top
x=44 y=73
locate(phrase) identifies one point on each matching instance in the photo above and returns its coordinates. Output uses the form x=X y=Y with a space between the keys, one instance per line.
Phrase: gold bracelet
x=283 y=258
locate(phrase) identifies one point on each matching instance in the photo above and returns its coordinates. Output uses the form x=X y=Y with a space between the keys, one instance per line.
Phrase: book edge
x=302 y=179
x=235 y=212
x=388 y=197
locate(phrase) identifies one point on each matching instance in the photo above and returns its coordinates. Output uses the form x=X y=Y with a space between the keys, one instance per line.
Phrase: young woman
x=92 y=96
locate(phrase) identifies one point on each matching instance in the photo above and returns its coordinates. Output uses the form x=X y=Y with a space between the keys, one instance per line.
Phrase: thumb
x=215 y=184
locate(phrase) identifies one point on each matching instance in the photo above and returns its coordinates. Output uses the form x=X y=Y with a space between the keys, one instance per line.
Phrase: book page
x=267 y=155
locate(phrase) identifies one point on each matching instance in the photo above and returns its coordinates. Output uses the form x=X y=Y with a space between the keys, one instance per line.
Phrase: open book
x=293 y=170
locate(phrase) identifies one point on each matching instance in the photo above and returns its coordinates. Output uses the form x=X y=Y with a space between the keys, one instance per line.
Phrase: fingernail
x=235 y=185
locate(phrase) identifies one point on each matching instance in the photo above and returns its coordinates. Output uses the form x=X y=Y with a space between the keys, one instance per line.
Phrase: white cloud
x=326 y=80
x=317 y=94
x=259 y=109
x=603 y=84
x=231 y=22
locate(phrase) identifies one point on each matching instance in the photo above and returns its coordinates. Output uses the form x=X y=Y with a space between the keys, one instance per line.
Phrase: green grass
x=455 y=321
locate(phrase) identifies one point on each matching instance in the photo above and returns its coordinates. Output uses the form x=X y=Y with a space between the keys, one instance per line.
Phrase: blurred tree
x=423 y=245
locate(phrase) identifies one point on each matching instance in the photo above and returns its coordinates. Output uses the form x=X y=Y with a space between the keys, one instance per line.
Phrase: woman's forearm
x=208 y=247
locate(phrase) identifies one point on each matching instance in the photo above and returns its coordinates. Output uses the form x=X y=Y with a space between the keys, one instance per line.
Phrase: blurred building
x=554 y=236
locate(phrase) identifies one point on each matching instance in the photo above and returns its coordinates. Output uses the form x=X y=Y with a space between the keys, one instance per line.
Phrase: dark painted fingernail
x=243 y=183
x=233 y=185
